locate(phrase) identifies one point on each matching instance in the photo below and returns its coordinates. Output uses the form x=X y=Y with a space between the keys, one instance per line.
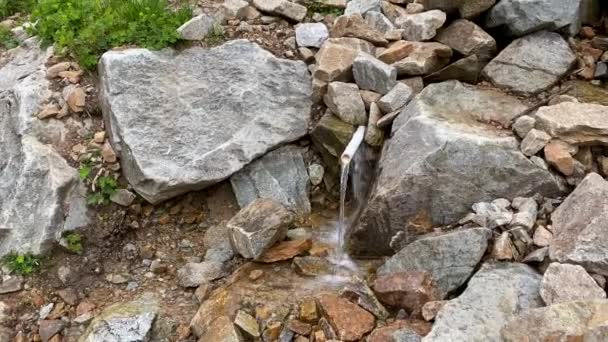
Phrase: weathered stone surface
x=195 y=274
x=493 y=295
x=465 y=69
x=423 y=58
x=466 y=8
x=330 y=136
x=387 y=332
x=575 y=123
x=523 y=125
x=355 y=26
x=406 y=290
x=311 y=34
x=534 y=141
x=40 y=194
x=222 y=330
x=235 y=8
x=258 y=226
x=131 y=321
x=431 y=309
x=280 y=176
x=336 y=56
x=493 y=214
x=373 y=74
x=467 y=38
x=392 y=11
x=350 y=322
x=206 y=115
x=421 y=26
x=198 y=27
x=247 y=323
x=396 y=51
x=521 y=17
x=584 y=320
x=288 y=9
x=567 y=283
x=286 y=250
x=442 y=158
x=362 y=7
x=450 y=258
x=359 y=293
x=377 y=21
x=532 y=63
x=527 y=213
x=49 y=328
x=396 y=98
x=344 y=100
x=374 y=135
x=580 y=224
x=557 y=154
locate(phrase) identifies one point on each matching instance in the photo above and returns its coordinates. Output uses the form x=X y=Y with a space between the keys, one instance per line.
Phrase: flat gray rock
x=372 y=74
x=450 y=258
x=280 y=175
x=567 y=283
x=468 y=39
x=362 y=6
x=443 y=157
x=575 y=123
x=493 y=295
x=184 y=121
x=421 y=26
x=531 y=64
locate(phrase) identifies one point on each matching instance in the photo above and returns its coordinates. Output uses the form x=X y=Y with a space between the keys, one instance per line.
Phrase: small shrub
x=10 y=7
x=22 y=264
x=84 y=171
x=7 y=40
x=73 y=242
x=316 y=7
x=87 y=28
x=106 y=187
x=217 y=35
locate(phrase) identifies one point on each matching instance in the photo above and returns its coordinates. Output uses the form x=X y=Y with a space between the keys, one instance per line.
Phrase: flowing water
x=342 y=224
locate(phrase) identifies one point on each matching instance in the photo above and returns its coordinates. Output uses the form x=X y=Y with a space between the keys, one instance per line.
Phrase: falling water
x=342 y=219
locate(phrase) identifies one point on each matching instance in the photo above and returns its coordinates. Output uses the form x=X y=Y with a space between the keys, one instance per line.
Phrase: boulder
x=493 y=295
x=444 y=155
x=311 y=34
x=41 y=194
x=396 y=98
x=531 y=64
x=280 y=176
x=423 y=59
x=581 y=320
x=468 y=39
x=580 y=226
x=355 y=26
x=285 y=8
x=466 y=8
x=336 y=56
x=406 y=290
x=450 y=258
x=421 y=26
x=568 y=283
x=520 y=17
x=362 y=7
x=258 y=226
x=373 y=74
x=344 y=100
x=349 y=321
x=208 y=112
x=465 y=69
x=575 y=123
x=377 y=21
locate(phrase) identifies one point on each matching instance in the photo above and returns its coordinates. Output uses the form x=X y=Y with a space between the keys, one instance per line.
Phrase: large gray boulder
x=580 y=226
x=444 y=155
x=280 y=175
x=493 y=295
x=567 y=283
x=521 y=17
x=450 y=258
x=40 y=194
x=531 y=64
x=184 y=121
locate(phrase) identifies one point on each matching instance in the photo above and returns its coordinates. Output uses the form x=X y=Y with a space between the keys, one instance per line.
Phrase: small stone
x=49 y=328
x=359 y=293
x=362 y=7
x=316 y=173
x=600 y=42
x=356 y=27
x=430 y=309
x=538 y=255
x=222 y=329
x=557 y=155
x=534 y=141
x=349 y=321
x=311 y=34
x=308 y=310
x=195 y=274
x=414 y=8
x=117 y=278
x=286 y=250
x=424 y=58
x=396 y=98
x=523 y=125
x=406 y=290
x=123 y=197
x=197 y=28
x=601 y=71
x=312 y=266
x=99 y=137
x=45 y=310
x=374 y=135
x=396 y=51
x=373 y=74
x=299 y=327
x=69 y=295
x=306 y=54
x=247 y=323
x=255 y=274
x=235 y=8
x=527 y=213
x=285 y=8
x=344 y=100
x=566 y=283
x=49 y=110
x=377 y=21
x=75 y=97
x=421 y=26
x=336 y=56
x=54 y=70
x=202 y=292
x=542 y=237
x=107 y=153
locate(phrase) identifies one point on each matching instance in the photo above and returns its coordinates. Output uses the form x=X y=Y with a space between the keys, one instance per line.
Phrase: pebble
x=256 y=274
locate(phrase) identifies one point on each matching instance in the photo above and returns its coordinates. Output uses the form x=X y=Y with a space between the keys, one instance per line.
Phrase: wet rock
x=441 y=159
x=450 y=258
x=359 y=293
x=162 y=165
x=195 y=274
x=579 y=226
x=374 y=135
x=557 y=154
x=285 y=8
x=493 y=295
x=286 y=250
x=523 y=125
x=521 y=17
x=575 y=123
x=312 y=266
x=432 y=308
x=421 y=26
x=131 y=321
x=423 y=59
x=567 y=283
x=468 y=39
x=198 y=27
x=308 y=310
x=559 y=322
x=247 y=323
x=378 y=22
x=531 y=64
x=396 y=98
x=349 y=321
x=344 y=100
x=280 y=176
x=355 y=26
x=258 y=226
x=373 y=74
x=222 y=330
x=406 y=290
x=330 y=136
x=534 y=141
x=311 y=34
x=362 y=7
x=336 y=56
x=465 y=69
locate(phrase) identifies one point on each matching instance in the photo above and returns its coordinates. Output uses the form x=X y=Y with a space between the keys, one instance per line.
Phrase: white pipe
x=353 y=145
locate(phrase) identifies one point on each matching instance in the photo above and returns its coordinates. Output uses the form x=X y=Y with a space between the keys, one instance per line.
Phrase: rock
x=311 y=34
x=12 y=284
x=421 y=26
x=423 y=59
x=579 y=226
x=468 y=39
x=527 y=214
x=445 y=257
x=387 y=332
x=350 y=322
x=344 y=100
x=396 y=98
x=396 y=51
x=523 y=125
x=286 y=250
x=258 y=226
x=601 y=71
x=521 y=17
x=280 y=176
x=378 y=22
x=308 y=310
x=355 y=26
x=442 y=145
x=330 y=137
x=534 y=141
x=557 y=154
x=195 y=274
x=567 y=283
x=466 y=69
x=575 y=123
x=503 y=248
x=285 y=8
x=75 y=97
x=131 y=321
x=406 y=290
x=538 y=255
x=69 y=296
x=123 y=197
x=222 y=330
x=416 y=83
x=312 y=266
x=162 y=165
x=373 y=74
x=493 y=214
x=198 y=27
x=336 y=56
x=432 y=308
x=315 y=173
x=493 y=295
x=235 y=9
x=247 y=323
x=374 y=135
x=49 y=328
x=599 y=42
x=531 y=64
x=472 y=8
x=299 y=328
x=406 y=335
x=362 y=7
x=559 y=322
x=359 y=293
x=542 y=237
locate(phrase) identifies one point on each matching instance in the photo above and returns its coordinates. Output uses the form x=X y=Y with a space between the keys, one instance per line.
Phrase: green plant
x=73 y=242
x=10 y=7
x=84 y=170
x=22 y=264
x=87 y=28
x=316 y=7
x=106 y=187
x=216 y=35
x=7 y=40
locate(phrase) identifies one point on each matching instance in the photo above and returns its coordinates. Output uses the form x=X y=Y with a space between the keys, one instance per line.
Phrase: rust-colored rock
x=431 y=309
x=308 y=310
x=299 y=327
x=349 y=321
x=558 y=155
x=396 y=52
x=355 y=26
x=406 y=290
x=385 y=334
x=286 y=250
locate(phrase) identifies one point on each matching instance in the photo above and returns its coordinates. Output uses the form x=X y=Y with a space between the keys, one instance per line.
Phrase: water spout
x=352 y=146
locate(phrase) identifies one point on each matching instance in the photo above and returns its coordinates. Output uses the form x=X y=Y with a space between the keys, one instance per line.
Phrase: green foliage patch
x=73 y=242
x=106 y=187
x=7 y=40
x=10 y=7
x=22 y=264
x=316 y=7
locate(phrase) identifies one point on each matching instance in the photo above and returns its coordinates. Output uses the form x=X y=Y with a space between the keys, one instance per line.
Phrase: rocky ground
x=477 y=205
